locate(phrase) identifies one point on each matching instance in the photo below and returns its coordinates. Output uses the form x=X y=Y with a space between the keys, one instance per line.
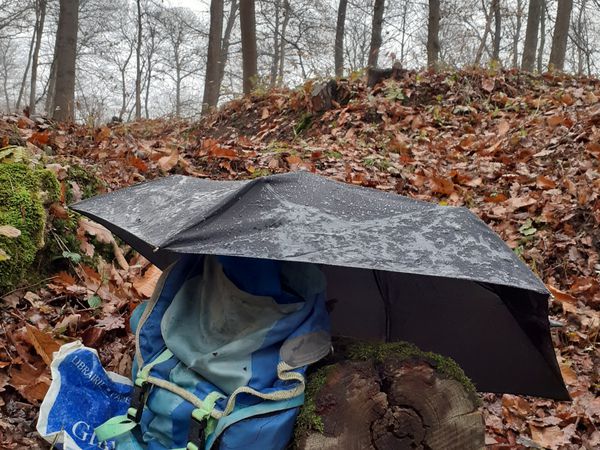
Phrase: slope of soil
x=520 y=151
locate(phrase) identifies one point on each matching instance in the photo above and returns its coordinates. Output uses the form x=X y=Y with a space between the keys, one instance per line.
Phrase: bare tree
x=542 y=44
x=339 y=38
x=531 y=35
x=211 y=80
x=561 y=34
x=497 y=29
x=433 y=32
x=225 y=43
x=40 y=17
x=181 y=52
x=376 y=25
x=486 y=31
x=249 y=54
x=25 y=72
x=138 y=62
x=66 y=54
x=517 y=34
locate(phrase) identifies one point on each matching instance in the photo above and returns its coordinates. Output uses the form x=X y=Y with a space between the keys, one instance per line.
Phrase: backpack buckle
x=138 y=401
x=197 y=434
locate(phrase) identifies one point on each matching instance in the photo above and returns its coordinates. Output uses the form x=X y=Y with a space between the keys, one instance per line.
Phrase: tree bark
x=66 y=55
x=138 y=63
x=542 y=46
x=275 y=58
x=49 y=104
x=211 y=81
x=497 y=30
x=225 y=43
x=26 y=71
x=339 y=38
x=531 y=35
x=249 y=55
x=561 y=34
x=433 y=32
x=390 y=403
x=517 y=36
x=282 y=41
x=376 y=26
x=486 y=32
x=39 y=29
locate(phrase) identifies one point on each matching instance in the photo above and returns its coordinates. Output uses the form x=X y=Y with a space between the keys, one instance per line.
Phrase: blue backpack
x=221 y=352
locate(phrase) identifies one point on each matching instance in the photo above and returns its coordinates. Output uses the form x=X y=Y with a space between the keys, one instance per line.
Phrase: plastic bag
x=82 y=396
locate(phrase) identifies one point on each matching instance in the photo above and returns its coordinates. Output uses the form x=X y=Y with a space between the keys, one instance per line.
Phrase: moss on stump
x=388 y=396
x=23 y=193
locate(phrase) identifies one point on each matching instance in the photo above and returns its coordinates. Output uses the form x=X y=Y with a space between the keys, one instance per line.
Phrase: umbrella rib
x=386 y=306
x=224 y=206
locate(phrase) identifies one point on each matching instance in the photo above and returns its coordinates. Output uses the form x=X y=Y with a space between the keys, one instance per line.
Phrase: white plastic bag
x=82 y=396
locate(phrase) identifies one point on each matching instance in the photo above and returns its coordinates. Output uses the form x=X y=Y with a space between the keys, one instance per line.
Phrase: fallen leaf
x=488 y=84
x=44 y=343
x=95 y=229
x=568 y=373
x=441 y=185
x=9 y=231
x=548 y=437
x=166 y=163
x=561 y=296
x=503 y=127
x=544 y=182
x=145 y=285
x=555 y=120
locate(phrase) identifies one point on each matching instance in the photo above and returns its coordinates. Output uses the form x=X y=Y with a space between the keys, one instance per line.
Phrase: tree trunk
x=486 y=31
x=517 y=36
x=66 y=55
x=249 y=55
x=225 y=43
x=376 y=26
x=542 y=46
x=49 y=104
x=433 y=32
x=211 y=81
x=26 y=72
x=339 y=38
x=39 y=29
x=497 y=30
x=531 y=35
x=282 y=41
x=389 y=402
x=138 y=63
x=275 y=58
x=561 y=34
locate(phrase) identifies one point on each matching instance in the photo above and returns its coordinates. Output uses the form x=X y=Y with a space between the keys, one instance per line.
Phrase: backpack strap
x=118 y=425
x=284 y=373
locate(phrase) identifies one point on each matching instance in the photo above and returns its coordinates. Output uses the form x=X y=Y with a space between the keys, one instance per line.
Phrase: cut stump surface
x=393 y=404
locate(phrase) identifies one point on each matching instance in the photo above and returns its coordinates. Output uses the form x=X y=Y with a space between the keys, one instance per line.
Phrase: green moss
x=23 y=193
x=87 y=181
x=443 y=365
x=308 y=419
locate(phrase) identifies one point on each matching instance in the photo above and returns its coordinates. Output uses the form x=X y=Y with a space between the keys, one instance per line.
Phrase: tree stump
x=390 y=396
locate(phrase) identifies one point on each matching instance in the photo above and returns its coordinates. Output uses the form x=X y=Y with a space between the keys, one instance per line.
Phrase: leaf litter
x=521 y=151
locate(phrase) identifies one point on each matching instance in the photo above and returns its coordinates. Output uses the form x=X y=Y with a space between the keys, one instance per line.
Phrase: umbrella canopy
x=396 y=268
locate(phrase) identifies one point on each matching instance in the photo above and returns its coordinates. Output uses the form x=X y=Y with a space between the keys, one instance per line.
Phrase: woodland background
x=154 y=58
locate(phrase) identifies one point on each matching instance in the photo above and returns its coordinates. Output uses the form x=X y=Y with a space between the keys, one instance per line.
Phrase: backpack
x=222 y=348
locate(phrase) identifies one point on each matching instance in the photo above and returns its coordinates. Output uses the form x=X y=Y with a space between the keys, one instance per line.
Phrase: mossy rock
x=23 y=193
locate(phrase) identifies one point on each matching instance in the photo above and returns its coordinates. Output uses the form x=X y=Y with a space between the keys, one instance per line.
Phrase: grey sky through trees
x=106 y=51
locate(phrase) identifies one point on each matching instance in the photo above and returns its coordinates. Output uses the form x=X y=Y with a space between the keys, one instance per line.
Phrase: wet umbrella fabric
x=396 y=268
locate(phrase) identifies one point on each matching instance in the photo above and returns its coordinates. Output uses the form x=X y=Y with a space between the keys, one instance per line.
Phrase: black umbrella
x=397 y=268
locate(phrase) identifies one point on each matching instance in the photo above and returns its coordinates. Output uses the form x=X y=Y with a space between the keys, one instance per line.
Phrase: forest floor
x=520 y=151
